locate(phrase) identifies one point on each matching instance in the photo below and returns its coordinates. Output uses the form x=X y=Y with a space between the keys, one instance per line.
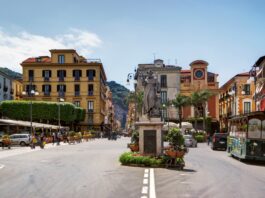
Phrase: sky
x=228 y=34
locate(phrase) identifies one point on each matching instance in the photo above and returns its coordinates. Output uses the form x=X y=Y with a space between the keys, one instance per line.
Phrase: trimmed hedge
x=130 y=158
x=200 y=138
x=41 y=110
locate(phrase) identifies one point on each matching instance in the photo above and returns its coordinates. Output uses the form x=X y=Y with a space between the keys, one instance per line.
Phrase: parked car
x=219 y=141
x=189 y=141
x=20 y=139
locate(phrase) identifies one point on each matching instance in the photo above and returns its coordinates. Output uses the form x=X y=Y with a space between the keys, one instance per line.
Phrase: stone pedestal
x=150 y=136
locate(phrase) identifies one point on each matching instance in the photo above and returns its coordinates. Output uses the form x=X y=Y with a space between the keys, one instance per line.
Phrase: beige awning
x=28 y=124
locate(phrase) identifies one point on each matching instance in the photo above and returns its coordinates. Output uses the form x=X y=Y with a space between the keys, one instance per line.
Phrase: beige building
x=66 y=74
x=169 y=78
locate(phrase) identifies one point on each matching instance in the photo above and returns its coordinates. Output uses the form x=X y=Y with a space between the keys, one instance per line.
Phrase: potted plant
x=176 y=141
x=71 y=137
x=134 y=145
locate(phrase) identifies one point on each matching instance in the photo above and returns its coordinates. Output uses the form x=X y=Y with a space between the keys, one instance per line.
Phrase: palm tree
x=137 y=99
x=179 y=102
x=199 y=99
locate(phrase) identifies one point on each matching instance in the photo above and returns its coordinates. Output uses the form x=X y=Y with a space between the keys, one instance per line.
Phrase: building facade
x=69 y=76
x=110 y=114
x=236 y=98
x=258 y=77
x=17 y=86
x=6 y=90
x=198 y=78
x=169 y=78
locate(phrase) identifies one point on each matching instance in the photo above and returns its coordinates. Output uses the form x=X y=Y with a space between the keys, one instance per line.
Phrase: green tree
x=179 y=102
x=197 y=100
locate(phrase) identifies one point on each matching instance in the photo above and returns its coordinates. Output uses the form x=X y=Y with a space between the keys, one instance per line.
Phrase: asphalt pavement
x=91 y=169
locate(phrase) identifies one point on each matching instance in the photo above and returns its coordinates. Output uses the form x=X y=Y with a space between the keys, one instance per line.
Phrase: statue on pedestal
x=151 y=95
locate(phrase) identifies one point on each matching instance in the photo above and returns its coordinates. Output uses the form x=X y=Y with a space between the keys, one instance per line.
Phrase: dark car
x=219 y=141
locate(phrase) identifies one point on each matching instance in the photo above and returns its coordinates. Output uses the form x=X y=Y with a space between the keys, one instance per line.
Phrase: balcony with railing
x=77 y=93
x=47 y=93
x=90 y=93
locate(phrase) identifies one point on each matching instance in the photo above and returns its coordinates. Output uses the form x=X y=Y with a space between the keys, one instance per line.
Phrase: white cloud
x=16 y=48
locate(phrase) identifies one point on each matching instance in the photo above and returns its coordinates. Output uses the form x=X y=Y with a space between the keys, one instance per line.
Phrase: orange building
x=236 y=98
x=198 y=78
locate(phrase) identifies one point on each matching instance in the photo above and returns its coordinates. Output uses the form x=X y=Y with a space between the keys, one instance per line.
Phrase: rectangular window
x=247 y=89
x=31 y=75
x=61 y=89
x=90 y=106
x=46 y=74
x=46 y=89
x=90 y=118
x=61 y=74
x=247 y=107
x=90 y=89
x=61 y=59
x=77 y=90
x=91 y=74
x=77 y=103
x=30 y=88
x=77 y=74
x=163 y=81
x=163 y=97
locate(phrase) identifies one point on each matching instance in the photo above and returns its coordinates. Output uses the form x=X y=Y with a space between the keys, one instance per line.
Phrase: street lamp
x=30 y=94
x=59 y=113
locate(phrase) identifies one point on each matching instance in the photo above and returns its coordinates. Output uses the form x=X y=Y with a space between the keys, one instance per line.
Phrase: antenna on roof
x=154 y=54
x=176 y=61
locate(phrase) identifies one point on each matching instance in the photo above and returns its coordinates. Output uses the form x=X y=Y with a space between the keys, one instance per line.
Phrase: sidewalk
x=17 y=150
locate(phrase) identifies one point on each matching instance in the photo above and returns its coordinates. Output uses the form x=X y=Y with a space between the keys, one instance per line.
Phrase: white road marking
x=186 y=182
x=146 y=170
x=183 y=174
x=145 y=190
x=145 y=181
x=2 y=166
x=152 y=192
x=146 y=175
x=144 y=197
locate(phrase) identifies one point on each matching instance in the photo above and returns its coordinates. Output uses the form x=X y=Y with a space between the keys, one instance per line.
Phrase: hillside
x=119 y=94
x=12 y=74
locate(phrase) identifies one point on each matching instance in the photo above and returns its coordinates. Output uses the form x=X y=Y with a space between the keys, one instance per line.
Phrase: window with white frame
x=247 y=107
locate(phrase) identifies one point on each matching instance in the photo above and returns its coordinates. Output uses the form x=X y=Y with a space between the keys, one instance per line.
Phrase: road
x=91 y=169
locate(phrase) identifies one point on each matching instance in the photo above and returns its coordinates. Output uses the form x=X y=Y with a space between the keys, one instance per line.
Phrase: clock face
x=199 y=74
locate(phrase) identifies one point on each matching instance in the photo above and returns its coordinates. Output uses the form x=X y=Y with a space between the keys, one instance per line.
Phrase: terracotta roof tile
x=44 y=59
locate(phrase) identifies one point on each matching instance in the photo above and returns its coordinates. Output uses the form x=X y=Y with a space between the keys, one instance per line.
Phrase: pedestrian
x=208 y=139
x=53 y=138
x=58 y=136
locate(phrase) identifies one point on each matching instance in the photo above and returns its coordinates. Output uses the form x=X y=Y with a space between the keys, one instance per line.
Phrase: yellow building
x=236 y=98
x=69 y=76
x=17 y=88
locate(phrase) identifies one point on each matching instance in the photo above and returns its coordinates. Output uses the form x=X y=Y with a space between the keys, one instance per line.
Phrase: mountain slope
x=119 y=94
x=12 y=74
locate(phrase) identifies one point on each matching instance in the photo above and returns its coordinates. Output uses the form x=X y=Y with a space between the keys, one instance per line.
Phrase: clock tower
x=199 y=74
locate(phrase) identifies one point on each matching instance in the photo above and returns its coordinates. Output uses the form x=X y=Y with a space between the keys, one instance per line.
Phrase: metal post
x=31 y=129
x=59 y=115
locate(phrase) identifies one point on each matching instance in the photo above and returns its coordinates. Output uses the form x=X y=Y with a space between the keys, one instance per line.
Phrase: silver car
x=20 y=139
x=190 y=141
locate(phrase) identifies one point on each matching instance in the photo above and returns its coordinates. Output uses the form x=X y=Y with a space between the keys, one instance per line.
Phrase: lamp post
x=31 y=93
x=59 y=113
x=131 y=76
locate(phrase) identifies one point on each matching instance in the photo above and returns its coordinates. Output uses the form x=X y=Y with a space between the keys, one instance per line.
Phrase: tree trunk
x=180 y=117
x=203 y=114
x=195 y=118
